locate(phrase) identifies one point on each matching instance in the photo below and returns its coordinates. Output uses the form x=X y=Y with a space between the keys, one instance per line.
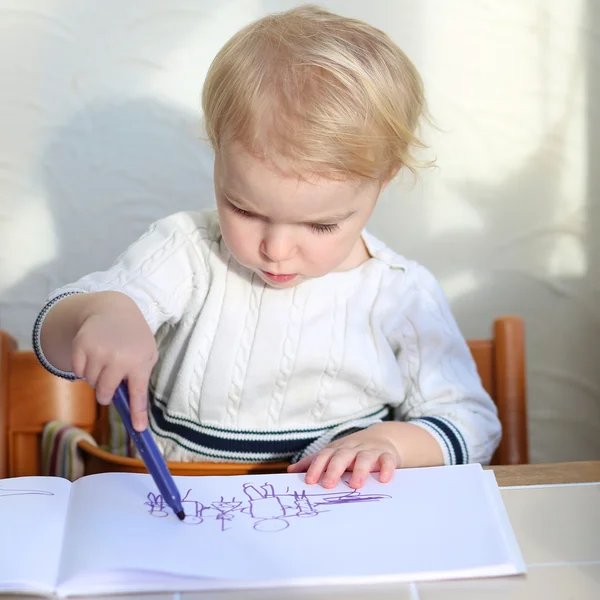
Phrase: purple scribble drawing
x=157 y=505
x=225 y=510
x=265 y=508
x=4 y=492
x=269 y=511
x=192 y=509
x=195 y=512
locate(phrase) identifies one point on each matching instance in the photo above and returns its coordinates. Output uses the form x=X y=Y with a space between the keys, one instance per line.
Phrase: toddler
x=276 y=327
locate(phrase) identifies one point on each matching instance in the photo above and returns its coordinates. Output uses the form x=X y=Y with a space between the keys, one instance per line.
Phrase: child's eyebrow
x=234 y=198
x=339 y=216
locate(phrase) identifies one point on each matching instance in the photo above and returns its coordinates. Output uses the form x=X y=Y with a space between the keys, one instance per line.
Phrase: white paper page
x=33 y=512
x=425 y=524
x=510 y=539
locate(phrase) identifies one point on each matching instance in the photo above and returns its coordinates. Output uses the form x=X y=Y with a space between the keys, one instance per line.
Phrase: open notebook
x=112 y=533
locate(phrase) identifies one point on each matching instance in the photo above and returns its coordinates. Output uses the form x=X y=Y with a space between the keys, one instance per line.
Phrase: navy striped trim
x=212 y=455
x=228 y=444
x=452 y=437
x=258 y=444
x=310 y=431
x=37 y=331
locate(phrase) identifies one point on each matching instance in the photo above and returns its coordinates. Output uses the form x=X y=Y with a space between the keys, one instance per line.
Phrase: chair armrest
x=7 y=346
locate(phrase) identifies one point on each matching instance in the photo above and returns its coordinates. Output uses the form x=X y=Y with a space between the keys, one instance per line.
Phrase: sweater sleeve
x=158 y=272
x=444 y=393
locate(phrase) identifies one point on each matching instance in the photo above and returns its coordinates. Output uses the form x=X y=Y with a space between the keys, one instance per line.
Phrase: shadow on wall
x=108 y=173
x=562 y=324
x=561 y=309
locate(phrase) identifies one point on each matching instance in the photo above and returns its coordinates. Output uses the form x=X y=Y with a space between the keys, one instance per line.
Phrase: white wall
x=99 y=120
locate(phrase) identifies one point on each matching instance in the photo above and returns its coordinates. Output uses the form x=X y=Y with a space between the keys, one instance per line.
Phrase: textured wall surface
x=99 y=136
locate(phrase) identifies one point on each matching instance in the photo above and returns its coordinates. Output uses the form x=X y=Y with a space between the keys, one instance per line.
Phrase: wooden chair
x=30 y=397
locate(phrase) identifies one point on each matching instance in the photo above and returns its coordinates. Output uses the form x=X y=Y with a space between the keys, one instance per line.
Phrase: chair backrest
x=30 y=397
x=501 y=365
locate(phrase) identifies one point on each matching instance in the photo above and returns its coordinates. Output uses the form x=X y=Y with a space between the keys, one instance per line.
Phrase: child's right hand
x=114 y=343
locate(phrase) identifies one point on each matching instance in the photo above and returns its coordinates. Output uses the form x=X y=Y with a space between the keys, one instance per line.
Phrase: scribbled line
x=268 y=511
x=4 y=492
x=350 y=499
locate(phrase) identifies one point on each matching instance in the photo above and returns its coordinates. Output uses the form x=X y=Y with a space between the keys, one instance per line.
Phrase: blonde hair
x=330 y=95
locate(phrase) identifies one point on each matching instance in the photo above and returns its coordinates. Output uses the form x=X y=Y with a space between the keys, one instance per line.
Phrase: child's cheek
x=243 y=242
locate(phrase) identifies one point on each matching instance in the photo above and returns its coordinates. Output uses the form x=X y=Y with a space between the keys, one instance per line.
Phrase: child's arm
x=102 y=327
x=447 y=416
x=444 y=393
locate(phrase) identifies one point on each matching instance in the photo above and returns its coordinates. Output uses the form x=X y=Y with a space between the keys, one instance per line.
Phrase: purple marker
x=153 y=459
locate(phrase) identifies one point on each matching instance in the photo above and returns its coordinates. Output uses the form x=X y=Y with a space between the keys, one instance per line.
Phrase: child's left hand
x=362 y=452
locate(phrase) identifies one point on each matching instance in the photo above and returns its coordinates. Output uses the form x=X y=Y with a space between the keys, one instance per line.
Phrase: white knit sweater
x=248 y=372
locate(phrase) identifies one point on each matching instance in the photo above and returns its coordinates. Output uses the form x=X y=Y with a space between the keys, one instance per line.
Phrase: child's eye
x=239 y=211
x=324 y=228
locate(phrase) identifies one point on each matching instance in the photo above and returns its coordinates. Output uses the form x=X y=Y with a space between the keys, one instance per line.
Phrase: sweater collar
x=377 y=249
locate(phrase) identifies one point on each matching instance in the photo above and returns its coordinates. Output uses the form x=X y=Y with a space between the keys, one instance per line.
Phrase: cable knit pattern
x=243 y=355
x=247 y=372
x=372 y=388
x=336 y=349
x=288 y=356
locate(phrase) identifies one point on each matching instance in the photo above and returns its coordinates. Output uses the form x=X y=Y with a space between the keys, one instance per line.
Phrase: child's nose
x=277 y=246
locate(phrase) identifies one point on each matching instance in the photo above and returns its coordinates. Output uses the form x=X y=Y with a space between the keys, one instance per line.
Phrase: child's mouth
x=279 y=278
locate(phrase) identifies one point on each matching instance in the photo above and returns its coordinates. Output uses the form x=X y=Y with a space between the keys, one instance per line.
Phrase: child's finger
x=137 y=384
x=313 y=474
x=92 y=373
x=79 y=361
x=338 y=465
x=387 y=466
x=363 y=465
x=108 y=380
x=301 y=465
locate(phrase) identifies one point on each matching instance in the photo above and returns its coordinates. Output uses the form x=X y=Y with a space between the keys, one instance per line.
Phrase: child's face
x=285 y=229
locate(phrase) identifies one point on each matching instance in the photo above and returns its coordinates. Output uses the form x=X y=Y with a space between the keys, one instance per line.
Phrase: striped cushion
x=61 y=456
